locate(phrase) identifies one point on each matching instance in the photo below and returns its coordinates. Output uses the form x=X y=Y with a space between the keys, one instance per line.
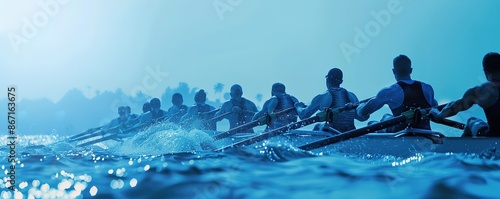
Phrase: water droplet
x=147 y=167
x=110 y=171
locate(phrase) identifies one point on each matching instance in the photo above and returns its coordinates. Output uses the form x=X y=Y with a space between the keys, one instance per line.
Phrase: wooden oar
x=319 y=117
x=411 y=116
x=266 y=119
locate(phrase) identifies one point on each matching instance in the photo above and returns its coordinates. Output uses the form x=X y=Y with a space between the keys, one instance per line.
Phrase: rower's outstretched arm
x=225 y=108
x=265 y=109
x=364 y=110
x=484 y=95
x=309 y=110
x=354 y=99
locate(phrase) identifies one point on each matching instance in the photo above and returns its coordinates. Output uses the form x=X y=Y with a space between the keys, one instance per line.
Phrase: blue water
x=144 y=167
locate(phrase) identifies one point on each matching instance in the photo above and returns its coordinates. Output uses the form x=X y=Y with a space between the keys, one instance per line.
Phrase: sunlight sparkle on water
x=415 y=158
x=93 y=191
x=23 y=185
x=133 y=182
x=80 y=186
x=147 y=167
x=65 y=184
x=6 y=194
x=120 y=172
x=116 y=184
x=18 y=195
x=45 y=187
x=35 y=183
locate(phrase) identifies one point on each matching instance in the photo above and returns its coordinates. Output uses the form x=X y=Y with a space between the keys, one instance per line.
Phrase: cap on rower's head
x=146 y=107
x=200 y=96
x=236 y=91
x=177 y=99
x=491 y=62
x=278 y=87
x=402 y=63
x=335 y=73
x=155 y=103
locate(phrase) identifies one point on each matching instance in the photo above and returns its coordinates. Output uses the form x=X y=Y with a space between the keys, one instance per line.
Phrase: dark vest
x=493 y=116
x=343 y=121
x=413 y=98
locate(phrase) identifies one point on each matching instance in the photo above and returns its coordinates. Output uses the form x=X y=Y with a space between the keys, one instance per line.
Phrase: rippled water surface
x=160 y=165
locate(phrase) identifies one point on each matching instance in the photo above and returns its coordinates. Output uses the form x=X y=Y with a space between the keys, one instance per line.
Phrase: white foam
x=165 y=139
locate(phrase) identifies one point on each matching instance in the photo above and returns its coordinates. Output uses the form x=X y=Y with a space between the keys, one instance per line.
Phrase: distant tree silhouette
x=75 y=113
x=218 y=89
x=258 y=97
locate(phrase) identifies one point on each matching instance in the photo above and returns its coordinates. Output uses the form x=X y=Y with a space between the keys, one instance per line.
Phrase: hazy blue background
x=101 y=46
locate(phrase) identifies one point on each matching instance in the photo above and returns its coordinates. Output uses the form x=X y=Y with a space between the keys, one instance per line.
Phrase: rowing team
x=403 y=95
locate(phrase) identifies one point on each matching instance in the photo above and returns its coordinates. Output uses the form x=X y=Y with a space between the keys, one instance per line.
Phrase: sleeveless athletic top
x=413 y=98
x=493 y=116
x=344 y=121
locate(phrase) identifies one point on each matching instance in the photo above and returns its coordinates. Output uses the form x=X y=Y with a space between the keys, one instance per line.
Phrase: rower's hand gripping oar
x=411 y=116
x=319 y=117
x=444 y=121
x=267 y=119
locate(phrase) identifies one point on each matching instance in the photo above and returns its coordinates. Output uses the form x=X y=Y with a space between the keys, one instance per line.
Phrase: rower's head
x=491 y=65
x=146 y=107
x=155 y=104
x=200 y=97
x=122 y=111
x=402 y=67
x=278 y=88
x=177 y=99
x=334 y=78
x=236 y=91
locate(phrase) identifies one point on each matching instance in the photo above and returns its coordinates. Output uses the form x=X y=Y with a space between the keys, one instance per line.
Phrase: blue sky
x=105 y=45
